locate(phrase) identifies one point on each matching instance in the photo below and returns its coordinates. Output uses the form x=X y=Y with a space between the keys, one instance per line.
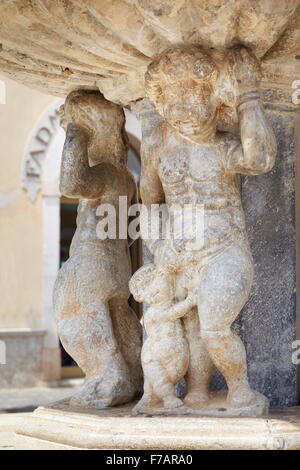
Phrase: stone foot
x=148 y=406
x=172 y=402
x=196 y=399
x=102 y=392
x=244 y=396
x=142 y=405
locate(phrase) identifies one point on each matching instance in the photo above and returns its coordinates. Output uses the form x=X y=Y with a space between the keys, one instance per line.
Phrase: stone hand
x=245 y=68
x=182 y=308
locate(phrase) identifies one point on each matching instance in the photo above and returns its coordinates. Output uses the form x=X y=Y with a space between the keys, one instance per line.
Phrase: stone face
x=199 y=282
x=91 y=291
x=58 y=46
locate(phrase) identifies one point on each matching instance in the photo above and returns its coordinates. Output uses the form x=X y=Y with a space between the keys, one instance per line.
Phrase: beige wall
x=21 y=266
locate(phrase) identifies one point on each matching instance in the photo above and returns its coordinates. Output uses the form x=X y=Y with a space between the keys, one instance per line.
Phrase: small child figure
x=165 y=353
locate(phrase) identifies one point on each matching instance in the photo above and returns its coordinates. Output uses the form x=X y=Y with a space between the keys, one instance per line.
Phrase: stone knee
x=223 y=345
x=88 y=337
x=213 y=339
x=157 y=377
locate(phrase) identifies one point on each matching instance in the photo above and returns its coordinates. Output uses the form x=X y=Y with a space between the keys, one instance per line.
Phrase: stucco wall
x=20 y=219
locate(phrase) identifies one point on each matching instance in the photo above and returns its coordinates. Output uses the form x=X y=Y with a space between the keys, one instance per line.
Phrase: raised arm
x=95 y=152
x=257 y=151
x=77 y=178
x=151 y=188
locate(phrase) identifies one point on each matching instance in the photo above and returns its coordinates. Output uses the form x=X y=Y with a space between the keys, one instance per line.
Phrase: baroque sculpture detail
x=96 y=325
x=191 y=155
x=191 y=70
x=165 y=353
x=206 y=125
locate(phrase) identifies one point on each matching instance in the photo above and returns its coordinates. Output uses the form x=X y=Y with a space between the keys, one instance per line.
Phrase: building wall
x=20 y=219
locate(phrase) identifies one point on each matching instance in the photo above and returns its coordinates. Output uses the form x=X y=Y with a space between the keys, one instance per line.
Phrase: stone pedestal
x=15 y=371
x=61 y=428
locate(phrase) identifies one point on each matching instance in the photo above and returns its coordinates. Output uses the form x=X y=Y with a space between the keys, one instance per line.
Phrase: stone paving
x=8 y=423
x=26 y=400
x=17 y=404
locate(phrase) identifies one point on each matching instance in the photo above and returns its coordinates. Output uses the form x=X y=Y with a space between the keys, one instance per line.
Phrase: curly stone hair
x=175 y=63
x=141 y=279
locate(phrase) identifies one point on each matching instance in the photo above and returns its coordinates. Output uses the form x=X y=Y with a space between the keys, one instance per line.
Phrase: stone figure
x=190 y=156
x=96 y=325
x=165 y=353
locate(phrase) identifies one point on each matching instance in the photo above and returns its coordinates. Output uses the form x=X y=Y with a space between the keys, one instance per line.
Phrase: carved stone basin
x=57 y=46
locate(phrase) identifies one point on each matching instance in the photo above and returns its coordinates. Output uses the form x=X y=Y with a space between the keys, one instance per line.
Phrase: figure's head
x=151 y=285
x=102 y=121
x=90 y=110
x=183 y=83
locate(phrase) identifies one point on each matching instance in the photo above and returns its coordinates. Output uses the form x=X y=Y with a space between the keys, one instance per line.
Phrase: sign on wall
x=44 y=150
x=37 y=149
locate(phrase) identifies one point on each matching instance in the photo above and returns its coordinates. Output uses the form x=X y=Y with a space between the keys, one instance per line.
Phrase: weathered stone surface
x=60 y=427
x=199 y=90
x=268 y=322
x=199 y=282
x=91 y=291
x=59 y=46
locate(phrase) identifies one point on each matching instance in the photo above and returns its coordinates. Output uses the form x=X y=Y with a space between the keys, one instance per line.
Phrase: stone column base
x=59 y=427
x=21 y=366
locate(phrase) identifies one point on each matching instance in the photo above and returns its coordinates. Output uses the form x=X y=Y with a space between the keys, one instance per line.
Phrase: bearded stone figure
x=95 y=323
x=190 y=155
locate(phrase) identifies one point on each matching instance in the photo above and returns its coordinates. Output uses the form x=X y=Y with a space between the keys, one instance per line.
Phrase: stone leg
x=164 y=389
x=128 y=333
x=224 y=288
x=200 y=366
x=86 y=331
x=148 y=400
x=89 y=339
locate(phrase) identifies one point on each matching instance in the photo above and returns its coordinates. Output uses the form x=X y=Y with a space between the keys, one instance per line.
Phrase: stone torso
x=112 y=186
x=195 y=174
x=158 y=326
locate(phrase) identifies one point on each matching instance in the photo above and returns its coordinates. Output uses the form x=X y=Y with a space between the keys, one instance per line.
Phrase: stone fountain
x=214 y=84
